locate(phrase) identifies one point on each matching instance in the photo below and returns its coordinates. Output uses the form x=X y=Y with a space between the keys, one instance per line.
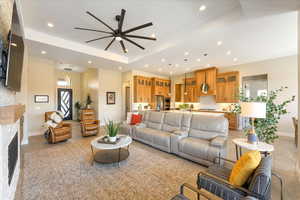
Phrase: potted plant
x=112 y=130
x=266 y=129
x=78 y=107
x=88 y=102
x=184 y=106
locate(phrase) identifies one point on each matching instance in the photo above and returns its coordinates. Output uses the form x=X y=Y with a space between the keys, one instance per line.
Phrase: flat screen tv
x=15 y=54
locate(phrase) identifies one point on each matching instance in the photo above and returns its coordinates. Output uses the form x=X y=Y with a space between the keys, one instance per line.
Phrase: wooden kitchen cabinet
x=233 y=120
x=142 y=89
x=207 y=76
x=161 y=87
x=227 y=87
x=178 y=92
x=190 y=93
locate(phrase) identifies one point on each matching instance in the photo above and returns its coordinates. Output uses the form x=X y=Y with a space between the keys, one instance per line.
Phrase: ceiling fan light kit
x=118 y=34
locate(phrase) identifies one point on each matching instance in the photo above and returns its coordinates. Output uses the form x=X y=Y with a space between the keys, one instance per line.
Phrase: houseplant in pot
x=78 y=107
x=112 y=130
x=88 y=102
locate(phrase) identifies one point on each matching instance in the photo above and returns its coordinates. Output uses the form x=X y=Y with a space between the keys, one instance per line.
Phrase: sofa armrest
x=67 y=125
x=218 y=141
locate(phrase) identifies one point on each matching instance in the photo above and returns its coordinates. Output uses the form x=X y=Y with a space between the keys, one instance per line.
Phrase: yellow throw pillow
x=244 y=167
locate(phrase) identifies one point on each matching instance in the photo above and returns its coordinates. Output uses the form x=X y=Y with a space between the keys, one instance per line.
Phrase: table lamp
x=253 y=110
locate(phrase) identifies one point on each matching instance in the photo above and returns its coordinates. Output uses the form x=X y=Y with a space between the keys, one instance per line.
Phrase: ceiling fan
x=118 y=34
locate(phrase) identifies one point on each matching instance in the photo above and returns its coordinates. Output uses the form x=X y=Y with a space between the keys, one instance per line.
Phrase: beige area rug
x=64 y=171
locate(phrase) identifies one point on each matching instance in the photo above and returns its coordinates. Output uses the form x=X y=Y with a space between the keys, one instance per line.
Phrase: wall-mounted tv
x=15 y=54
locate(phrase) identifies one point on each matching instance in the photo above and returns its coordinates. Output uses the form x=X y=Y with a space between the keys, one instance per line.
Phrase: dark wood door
x=65 y=102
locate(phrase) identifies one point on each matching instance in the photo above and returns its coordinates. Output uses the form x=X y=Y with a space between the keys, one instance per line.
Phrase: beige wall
x=281 y=72
x=298 y=166
x=110 y=81
x=38 y=69
x=89 y=85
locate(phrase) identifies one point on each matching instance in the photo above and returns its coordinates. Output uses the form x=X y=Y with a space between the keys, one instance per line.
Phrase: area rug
x=64 y=171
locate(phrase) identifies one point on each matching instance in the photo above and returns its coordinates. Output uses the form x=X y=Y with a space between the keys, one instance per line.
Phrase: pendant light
x=185 y=93
x=170 y=88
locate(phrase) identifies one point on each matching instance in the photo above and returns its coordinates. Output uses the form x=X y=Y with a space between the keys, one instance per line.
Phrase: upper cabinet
x=190 y=90
x=227 y=87
x=206 y=77
x=178 y=92
x=161 y=87
x=142 y=89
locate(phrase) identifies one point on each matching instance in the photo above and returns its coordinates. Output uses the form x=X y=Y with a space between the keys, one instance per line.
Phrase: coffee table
x=111 y=153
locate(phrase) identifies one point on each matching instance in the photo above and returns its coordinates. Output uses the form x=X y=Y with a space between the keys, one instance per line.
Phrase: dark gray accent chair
x=216 y=181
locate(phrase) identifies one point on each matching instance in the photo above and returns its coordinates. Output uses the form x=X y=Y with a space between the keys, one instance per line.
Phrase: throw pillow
x=244 y=167
x=55 y=119
x=136 y=119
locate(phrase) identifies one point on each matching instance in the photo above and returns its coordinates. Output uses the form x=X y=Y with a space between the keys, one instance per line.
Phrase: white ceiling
x=252 y=30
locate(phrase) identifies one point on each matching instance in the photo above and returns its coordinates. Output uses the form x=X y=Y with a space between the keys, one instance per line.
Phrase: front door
x=65 y=102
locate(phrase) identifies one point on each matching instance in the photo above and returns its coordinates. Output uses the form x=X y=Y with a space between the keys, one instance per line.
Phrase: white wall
x=110 y=81
x=281 y=72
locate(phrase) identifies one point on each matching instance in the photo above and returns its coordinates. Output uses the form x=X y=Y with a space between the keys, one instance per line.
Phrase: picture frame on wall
x=41 y=99
x=110 y=98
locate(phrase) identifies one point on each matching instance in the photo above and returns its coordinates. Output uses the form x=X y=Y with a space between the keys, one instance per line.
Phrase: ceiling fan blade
x=110 y=43
x=99 y=38
x=121 y=19
x=123 y=46
x=141 y=37
x=138 y=27
x=136 y=44
x=100 y=21
x=88 y=29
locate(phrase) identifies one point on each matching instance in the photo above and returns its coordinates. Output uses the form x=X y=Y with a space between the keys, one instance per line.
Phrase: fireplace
x=12 y=156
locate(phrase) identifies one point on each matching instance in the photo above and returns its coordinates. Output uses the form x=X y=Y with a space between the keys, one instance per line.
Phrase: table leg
x=241 y=152
x=93 y=156
x=119 y=157
x=236 y=152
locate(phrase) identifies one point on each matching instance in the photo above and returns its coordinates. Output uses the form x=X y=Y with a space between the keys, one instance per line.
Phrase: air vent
x=68 y=69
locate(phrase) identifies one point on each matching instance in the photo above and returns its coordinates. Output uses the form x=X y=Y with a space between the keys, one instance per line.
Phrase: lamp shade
x=253 y=109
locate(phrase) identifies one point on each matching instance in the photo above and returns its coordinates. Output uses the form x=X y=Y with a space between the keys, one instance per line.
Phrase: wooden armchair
x=62 y=132
x=89 y=123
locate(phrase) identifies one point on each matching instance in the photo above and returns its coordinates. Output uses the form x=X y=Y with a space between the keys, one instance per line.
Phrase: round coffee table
x=240 y=143
x=111 y=153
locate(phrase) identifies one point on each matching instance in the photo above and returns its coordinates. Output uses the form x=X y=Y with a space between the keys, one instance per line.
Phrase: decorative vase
x=112 y=139
x=252 y=138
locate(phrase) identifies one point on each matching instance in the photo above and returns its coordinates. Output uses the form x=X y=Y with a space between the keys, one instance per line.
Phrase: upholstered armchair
x=89 y=123
x=62 y=132
x=258 y=186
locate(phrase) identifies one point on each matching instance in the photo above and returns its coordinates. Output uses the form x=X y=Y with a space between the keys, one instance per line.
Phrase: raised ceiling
x=252 y=30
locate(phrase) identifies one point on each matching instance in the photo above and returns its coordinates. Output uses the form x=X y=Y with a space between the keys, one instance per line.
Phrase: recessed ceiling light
x=153 y=35
x=50 y=25
x=90 y=62
x=202 y=8
x=43 y=52
x=219 y=43
x=159 y=69
x=186 y=53
x=163 y=60
x=198 y=60
x=235 y=59
x=146 y=65
x=228 y=52
x=120 y=68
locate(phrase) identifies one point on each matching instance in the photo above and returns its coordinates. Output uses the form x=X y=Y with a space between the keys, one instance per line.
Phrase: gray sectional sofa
x=200 y=138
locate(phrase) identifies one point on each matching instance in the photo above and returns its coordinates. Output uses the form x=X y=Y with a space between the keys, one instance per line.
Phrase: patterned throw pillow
x=55 y=119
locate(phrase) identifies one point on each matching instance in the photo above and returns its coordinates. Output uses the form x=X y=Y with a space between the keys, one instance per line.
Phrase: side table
x=240 y=143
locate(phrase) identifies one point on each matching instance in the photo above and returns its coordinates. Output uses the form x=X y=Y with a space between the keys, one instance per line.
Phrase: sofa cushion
x=208 y=127
x=155 y=120
x=186 y=121
x=172 y=122
x=145 y=115
x=194 y=147
x=161 y=138
x=144 y=134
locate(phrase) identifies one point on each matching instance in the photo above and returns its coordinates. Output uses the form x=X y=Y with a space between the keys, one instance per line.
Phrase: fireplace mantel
x=11 y=114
